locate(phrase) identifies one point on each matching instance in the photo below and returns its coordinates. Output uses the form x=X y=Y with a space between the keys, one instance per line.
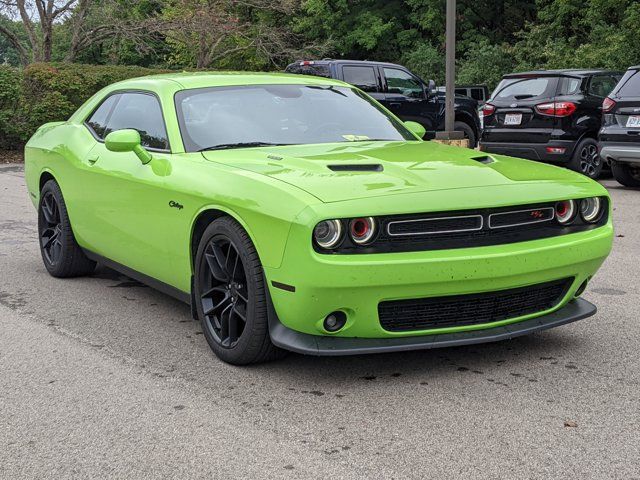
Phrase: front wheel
x=626 y=174
x=230 y=295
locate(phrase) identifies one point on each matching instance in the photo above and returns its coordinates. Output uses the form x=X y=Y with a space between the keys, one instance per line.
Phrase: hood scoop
x=356 y=167
x=483 y=159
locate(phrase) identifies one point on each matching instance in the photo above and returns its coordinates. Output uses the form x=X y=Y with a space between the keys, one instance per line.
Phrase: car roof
x=326 y=61
x=190 y=80
x=568 y=72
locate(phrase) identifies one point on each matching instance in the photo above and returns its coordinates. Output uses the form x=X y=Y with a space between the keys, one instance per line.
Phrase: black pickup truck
x=402 y=92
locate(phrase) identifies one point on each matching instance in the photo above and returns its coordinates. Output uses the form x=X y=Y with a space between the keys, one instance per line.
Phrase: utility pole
x=449 y=118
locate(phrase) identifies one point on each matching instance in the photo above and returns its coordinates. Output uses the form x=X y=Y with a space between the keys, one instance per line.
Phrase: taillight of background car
x=556 y=109
x=608 y=104
x=488 y=110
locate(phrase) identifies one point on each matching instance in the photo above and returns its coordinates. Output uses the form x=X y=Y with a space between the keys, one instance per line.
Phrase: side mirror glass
x=127 y=140
x=416 y=128
x=431 y=87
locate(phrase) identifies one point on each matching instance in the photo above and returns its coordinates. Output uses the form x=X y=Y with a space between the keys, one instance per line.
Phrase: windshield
x=244 y=116
x=525 y=88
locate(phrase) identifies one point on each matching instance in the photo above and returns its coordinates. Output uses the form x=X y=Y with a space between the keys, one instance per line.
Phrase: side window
x=98 y=121
x=362 y=77
x=141 y=112
x=399 y=81
x=602 y=85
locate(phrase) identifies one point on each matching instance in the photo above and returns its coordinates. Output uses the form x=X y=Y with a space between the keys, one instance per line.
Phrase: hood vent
x=483 y=159
x=356 y=167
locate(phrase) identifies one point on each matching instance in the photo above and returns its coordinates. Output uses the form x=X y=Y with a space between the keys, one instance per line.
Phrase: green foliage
x=50 y=92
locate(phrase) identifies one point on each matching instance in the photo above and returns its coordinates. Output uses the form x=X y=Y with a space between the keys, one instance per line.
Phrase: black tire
x=586 y=159
x=231 y=302
x=61 y=254
x=468 y=132
x=626 y=174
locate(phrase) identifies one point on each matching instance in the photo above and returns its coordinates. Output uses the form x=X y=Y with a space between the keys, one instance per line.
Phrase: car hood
x=350 y=171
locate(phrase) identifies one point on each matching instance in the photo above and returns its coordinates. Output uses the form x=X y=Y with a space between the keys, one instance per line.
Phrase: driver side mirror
x=431 y=88
x=127 y=140
x=416 y=128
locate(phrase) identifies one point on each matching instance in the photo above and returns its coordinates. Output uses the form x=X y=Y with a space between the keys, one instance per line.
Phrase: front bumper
x=316 y=284
x=532 y=151
x=288 y=339
x=629 y=153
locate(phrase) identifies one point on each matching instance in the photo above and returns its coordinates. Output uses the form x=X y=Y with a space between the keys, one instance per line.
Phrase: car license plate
x=513 y=119
x=633 y=121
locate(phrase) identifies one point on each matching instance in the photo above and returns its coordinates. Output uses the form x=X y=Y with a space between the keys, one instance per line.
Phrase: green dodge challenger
x=297 y=213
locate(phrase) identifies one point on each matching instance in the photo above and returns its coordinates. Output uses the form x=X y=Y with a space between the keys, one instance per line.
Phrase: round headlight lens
x=565 y=211
x=590 y=209
x=362 y=230
x=328 y=233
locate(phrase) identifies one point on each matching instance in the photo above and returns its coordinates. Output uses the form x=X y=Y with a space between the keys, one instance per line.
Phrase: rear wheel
x=468 y=132
x=61 y=254
x=586 y=159
x=230 y=295
x=626 y=174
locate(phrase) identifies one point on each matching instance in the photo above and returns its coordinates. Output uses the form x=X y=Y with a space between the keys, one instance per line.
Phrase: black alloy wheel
x=225 y=296
x=231 y=297
x=590 y=162
x=586 y=159
x=50 y=229
x=61 y=254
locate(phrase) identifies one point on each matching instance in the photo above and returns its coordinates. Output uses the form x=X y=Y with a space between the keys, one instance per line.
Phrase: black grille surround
x=473 y=309
x=465 y=229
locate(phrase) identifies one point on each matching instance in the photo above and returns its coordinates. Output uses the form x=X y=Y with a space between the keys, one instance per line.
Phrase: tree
x=38 y=18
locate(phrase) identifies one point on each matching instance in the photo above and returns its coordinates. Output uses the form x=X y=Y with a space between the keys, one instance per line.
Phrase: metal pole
x=449 y=118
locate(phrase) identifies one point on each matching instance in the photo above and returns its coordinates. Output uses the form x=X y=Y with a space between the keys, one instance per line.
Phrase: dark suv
x=620 y=134
x=551 y=116
x=402 y=92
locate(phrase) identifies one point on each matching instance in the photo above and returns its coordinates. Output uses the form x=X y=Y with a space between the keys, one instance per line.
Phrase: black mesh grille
x=475 y=309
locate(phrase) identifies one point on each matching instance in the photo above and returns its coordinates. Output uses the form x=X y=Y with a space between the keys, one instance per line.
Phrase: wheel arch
x=45 y=176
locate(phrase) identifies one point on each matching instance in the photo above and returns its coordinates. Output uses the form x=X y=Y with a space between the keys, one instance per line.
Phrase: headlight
x=328 y=233
x=362 y=230
x=591 y=209
x=565 y=211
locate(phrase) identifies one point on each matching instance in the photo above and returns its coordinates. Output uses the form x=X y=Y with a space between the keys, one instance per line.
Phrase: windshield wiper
x=229 y=146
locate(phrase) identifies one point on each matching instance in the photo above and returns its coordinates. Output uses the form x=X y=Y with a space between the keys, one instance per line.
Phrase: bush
x=50 y=92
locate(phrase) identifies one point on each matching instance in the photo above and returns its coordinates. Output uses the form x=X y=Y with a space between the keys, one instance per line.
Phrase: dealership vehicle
x=402 y=92
x=620 y=134
x=550 y=115
x=296 y=213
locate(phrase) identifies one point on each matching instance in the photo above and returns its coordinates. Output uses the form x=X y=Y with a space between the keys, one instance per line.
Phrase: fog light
x=335 y=321
x=581 y=288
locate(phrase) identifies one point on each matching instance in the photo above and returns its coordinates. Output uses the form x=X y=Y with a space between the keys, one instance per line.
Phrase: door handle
x=93 y=159
x=395 y=104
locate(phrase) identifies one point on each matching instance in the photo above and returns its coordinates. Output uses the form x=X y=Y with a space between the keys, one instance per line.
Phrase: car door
x=407 y=97
x=125 y=200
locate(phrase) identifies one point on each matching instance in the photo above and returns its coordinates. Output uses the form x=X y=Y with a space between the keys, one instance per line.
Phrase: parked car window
x=399 y=81
x=141 y=112
x=362 y=77
x=525 y=88
x=98 y=121
x=569 y=86
x=601 y=85
x=459 y=91
x=281 y=114
x=631 y=86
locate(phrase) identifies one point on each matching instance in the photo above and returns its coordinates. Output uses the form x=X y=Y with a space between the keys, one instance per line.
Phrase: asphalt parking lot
x=102 y=376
